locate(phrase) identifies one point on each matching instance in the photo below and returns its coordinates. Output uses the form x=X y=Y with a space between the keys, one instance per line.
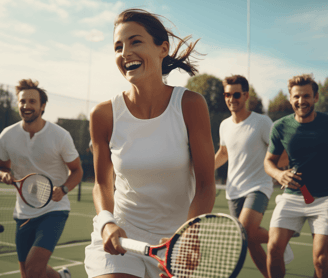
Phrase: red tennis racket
x=210 y=245
x=308 y=198
x=35 y=190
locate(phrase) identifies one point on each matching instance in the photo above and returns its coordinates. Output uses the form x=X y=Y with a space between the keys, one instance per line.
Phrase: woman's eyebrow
x=129 y=38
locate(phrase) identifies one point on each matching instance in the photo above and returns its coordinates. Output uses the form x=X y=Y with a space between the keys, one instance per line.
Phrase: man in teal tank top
x=304 y=136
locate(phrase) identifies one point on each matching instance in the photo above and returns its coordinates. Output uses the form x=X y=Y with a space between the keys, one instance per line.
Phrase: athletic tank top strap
x=118 y=106
x=176 y=98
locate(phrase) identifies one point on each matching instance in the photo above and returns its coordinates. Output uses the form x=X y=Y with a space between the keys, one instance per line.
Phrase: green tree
x=212 y=90
x=8 y=114
x=82 y=117
x=322 y=104
x=279 y=107
x=254 y=102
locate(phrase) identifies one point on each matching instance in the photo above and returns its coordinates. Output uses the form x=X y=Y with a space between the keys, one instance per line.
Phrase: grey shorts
x=256 y=200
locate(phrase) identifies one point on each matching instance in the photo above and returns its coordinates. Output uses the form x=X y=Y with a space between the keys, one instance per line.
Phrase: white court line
x=82 y=214
x=56 y=267
x=220 y=186
x=63 y=259
x=57 y=247
x=72 y=262
x=7 y=243
x=306 y=234
x=72 y=244
x=300 y=243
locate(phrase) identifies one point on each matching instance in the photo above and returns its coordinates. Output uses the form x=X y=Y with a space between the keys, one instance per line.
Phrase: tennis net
x=7 y=204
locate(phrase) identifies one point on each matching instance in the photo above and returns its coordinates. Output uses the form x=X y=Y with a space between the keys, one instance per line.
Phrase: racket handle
x=308 y=198
x=134 y=246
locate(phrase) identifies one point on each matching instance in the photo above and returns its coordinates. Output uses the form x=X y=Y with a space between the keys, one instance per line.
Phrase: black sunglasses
x=236 y=95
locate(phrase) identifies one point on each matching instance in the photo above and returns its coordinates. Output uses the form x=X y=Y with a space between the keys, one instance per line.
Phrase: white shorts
x=98 y=262
x=291 y=212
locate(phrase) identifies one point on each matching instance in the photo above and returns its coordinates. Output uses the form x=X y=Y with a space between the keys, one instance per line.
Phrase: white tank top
x=155 y=181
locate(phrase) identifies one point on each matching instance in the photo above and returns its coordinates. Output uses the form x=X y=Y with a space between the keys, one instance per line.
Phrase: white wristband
x=103 y=218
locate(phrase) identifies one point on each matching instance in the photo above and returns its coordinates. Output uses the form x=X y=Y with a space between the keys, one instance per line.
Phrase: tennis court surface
x=70 y=249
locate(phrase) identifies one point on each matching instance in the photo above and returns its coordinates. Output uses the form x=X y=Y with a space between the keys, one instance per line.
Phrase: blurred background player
x=304 y=136
x=34 y=145
x=157 y=139
x=244 y=138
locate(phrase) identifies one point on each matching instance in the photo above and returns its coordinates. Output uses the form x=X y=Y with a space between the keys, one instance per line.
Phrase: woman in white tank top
x=157 y=140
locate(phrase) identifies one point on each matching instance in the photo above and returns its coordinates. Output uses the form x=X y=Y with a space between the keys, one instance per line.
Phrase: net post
x=79 y=192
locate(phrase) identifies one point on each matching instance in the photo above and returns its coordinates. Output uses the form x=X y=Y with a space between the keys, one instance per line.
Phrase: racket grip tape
x=308 y=198
x=134 y=246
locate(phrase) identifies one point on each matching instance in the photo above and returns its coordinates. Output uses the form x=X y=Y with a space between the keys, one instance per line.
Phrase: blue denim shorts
x=43 y=231
x=256 y=200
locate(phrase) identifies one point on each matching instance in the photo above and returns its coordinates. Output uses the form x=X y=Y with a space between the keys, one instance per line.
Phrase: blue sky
x=49 y=41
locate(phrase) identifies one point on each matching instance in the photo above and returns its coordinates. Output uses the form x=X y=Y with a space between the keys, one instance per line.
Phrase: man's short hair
x=301 y=80
x=28 y=84
x=236 y=79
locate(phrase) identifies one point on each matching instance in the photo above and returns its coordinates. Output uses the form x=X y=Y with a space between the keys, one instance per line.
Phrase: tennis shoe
x=288 y=254
x=65 y=273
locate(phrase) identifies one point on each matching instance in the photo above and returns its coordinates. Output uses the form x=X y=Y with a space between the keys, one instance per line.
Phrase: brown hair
x=301 y=80
x=156 y=29
x=28 y=84
x=236 y=79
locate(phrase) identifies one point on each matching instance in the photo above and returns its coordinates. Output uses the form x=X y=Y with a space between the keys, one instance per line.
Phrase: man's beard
x=306 y=115
x=33 y=117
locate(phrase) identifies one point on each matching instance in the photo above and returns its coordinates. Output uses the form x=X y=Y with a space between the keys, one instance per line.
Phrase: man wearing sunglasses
x=244 y=138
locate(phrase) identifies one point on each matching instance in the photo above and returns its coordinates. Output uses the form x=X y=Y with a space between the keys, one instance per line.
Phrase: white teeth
x=134 y=63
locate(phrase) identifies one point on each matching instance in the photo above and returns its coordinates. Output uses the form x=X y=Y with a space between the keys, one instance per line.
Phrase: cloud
x=23 y=28
x=100 y=19
x=106 y=16
x=66 y=3
x=94 y=35
x=81 y=4
x=18 y=27
x=316 y=20
x=14 y=39
x=3 y=9
x=49 y=7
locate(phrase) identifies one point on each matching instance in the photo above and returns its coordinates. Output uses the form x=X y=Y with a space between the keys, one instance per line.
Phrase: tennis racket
x=210 y=245
x=308 y=198
x=35 y=190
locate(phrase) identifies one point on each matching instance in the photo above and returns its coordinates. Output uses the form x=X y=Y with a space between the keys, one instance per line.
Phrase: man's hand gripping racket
x=210 y=245
x=35 y=190
x=308 y=198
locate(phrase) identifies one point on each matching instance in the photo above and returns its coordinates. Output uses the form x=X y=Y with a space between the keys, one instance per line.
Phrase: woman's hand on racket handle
x=111 y=234
x=7 y=178
x=162 y=275
x=57 y=194
x=289 y=179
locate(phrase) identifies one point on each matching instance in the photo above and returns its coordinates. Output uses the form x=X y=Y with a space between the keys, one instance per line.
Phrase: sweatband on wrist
x=103 y=218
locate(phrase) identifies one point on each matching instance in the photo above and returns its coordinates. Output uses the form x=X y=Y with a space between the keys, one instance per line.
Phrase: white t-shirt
x=246 y=144
x=45 y=153
x=154 y=174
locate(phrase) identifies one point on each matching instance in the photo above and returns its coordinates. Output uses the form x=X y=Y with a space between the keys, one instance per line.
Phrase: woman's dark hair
x=156 y=29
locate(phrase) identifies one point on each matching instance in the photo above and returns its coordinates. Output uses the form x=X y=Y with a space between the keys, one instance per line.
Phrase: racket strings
x=36 y=190
x=210 y=248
